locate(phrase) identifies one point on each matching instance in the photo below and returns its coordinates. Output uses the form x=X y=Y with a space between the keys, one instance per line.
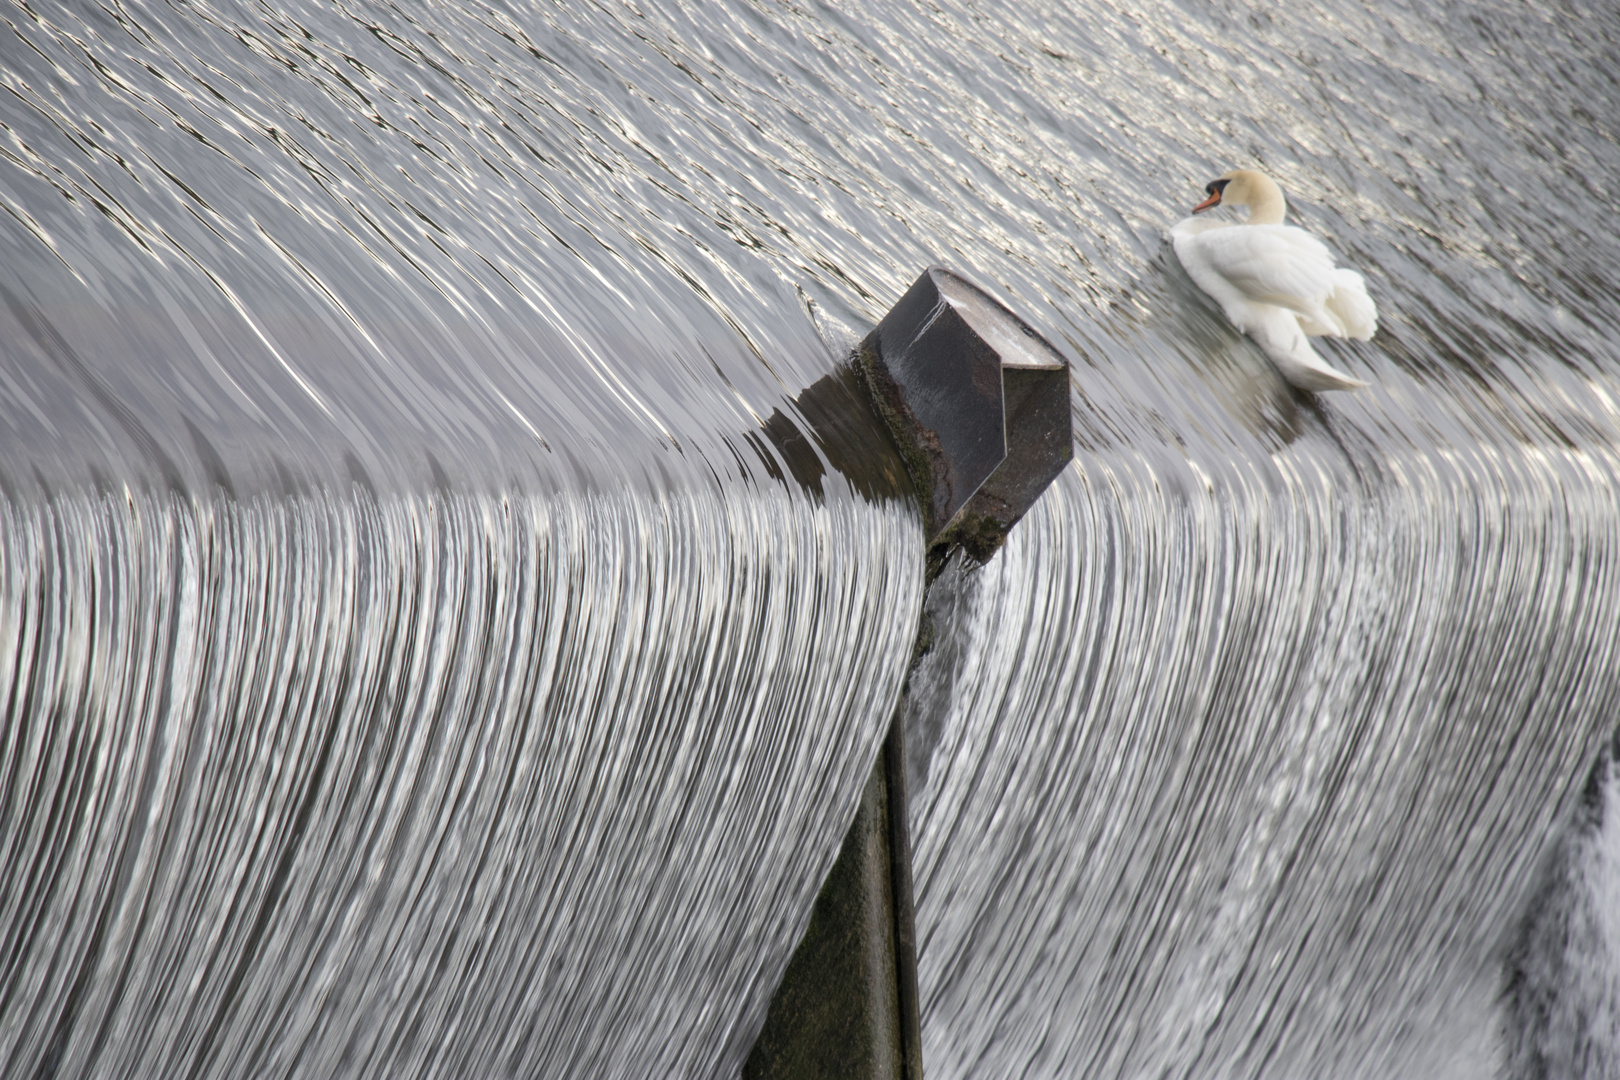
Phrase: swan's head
x=1247 y=187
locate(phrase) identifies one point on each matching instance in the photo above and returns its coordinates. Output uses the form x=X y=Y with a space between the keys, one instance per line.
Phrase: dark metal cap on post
x=977 y=402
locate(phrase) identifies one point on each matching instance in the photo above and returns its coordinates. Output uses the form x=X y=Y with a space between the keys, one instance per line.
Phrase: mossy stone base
x=836 y=1015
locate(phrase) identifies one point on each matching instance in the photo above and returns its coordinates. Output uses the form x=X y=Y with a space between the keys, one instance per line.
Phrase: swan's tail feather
x=1351 y=305
x=1318 y=376
x=1284 y=341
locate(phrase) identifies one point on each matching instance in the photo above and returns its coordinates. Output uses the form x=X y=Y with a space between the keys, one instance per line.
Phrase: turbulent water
x=417 y=660
x=1563 y=990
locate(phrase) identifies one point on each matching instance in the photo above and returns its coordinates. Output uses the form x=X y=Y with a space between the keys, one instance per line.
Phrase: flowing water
x=410 y=786
x=1562 y=997
x=418 y=660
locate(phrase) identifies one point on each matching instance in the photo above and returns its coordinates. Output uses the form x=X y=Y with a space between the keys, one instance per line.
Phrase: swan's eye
x=1215 y=187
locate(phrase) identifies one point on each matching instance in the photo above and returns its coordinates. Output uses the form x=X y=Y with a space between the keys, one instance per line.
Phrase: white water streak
x=1246 y=779
x=465 y=786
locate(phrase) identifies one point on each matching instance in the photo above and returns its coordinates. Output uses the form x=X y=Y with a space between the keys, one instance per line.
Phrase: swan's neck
x=1266 y=204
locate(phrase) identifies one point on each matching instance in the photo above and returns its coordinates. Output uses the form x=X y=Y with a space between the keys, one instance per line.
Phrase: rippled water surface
x=404 y=618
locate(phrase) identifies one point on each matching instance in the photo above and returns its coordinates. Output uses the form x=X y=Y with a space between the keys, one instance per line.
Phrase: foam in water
x=1561 y=1004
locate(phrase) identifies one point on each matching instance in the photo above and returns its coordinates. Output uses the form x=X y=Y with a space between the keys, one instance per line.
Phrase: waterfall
x=1563 y=986
x=444 y=785
x=420 y=656
x=1247 y=778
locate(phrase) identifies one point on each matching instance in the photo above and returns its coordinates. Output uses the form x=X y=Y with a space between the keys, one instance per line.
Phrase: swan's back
x=1277 y=265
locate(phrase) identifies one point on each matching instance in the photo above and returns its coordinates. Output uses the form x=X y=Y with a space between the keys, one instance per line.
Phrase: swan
x=1276 y=283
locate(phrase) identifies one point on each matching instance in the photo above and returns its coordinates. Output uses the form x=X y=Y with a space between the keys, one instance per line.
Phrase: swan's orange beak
x=1214 y=190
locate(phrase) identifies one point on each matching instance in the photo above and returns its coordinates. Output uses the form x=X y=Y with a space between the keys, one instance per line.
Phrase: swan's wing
x=1278 y=285
x=1271 y=264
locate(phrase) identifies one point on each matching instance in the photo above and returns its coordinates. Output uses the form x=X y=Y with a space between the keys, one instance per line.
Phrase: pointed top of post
x=977 y=402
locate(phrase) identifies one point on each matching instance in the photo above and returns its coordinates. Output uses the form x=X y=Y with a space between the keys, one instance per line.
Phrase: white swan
x=1276 y=283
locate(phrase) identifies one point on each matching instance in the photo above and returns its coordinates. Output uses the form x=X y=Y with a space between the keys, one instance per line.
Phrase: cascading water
x=412 y=785
x=1248 y=781
x=1563 y=991
x=415 y=663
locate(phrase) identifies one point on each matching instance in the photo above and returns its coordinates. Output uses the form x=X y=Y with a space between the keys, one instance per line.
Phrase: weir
x=454 y=584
